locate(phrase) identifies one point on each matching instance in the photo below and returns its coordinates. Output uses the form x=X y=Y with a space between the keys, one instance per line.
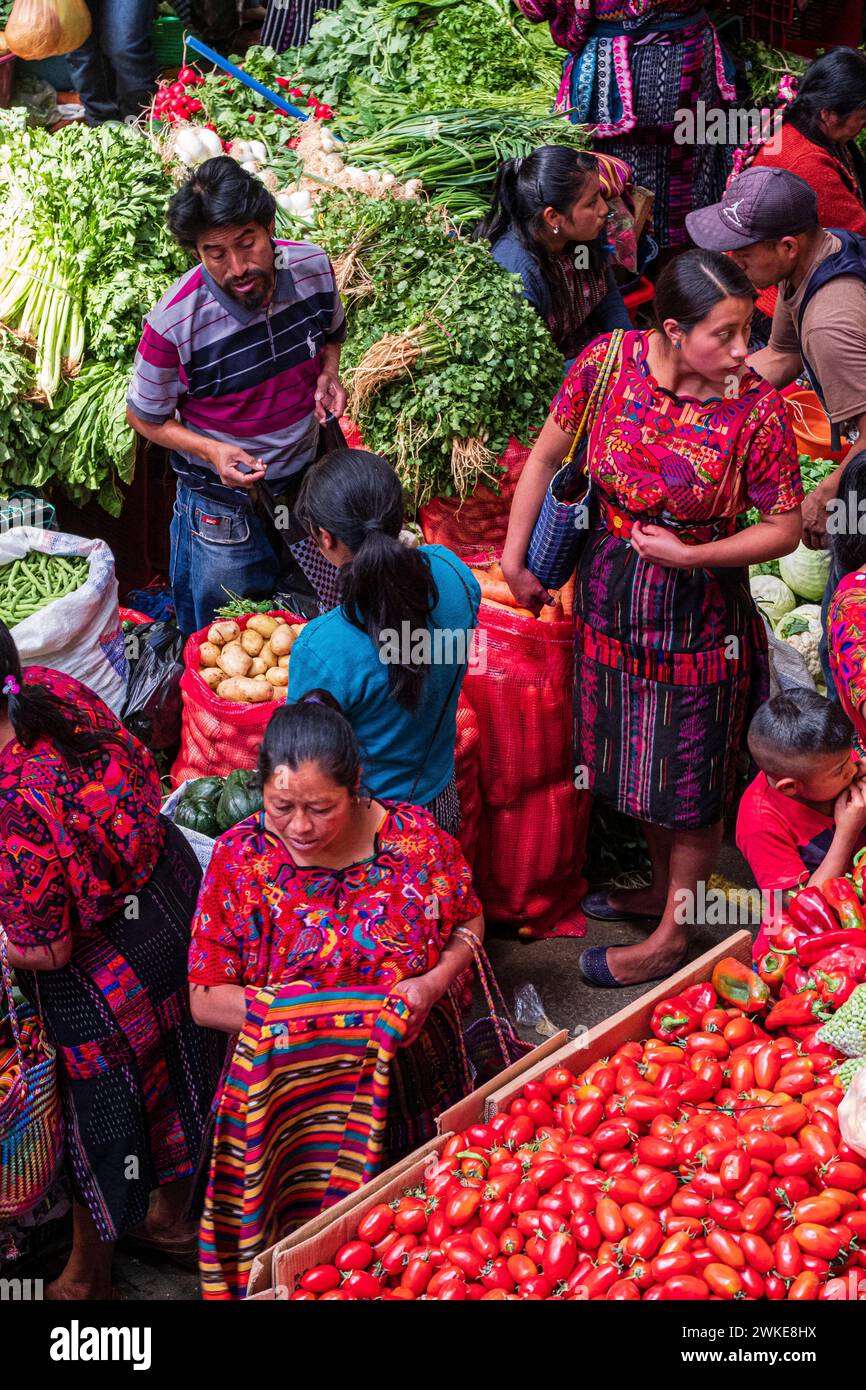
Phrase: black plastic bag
x=152 y=708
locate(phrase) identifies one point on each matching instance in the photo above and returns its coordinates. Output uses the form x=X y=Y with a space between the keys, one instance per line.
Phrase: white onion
x=386 y=179
x=240 y=150
x=188 y=147
x=258 y=151
x=250 y=165
x=328 y=143
x=211 y=141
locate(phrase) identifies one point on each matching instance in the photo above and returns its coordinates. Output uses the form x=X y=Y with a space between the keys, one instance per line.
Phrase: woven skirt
x=669 y=666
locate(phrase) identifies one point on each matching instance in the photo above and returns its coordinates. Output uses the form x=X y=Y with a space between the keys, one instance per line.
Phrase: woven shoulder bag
x=31 y=1118
x=562 y=527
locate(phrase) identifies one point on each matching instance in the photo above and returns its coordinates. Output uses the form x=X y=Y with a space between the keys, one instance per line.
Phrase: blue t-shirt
x=332 y=654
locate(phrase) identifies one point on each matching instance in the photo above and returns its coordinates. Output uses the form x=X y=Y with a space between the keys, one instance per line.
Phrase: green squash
x=197 y=815
x=241 y=797
x=204 y=789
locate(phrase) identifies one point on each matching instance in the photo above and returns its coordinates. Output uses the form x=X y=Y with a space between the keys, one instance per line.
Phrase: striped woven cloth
x=300 y=1122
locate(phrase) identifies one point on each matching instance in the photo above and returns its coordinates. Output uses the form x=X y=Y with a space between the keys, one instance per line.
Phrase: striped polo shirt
x=241 y=376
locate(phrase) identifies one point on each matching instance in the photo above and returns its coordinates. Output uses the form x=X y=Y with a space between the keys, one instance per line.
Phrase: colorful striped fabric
x=301 y=1119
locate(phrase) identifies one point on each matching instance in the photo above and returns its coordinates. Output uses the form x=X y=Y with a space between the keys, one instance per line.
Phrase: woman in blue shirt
x=546 y=224
x=394 y=653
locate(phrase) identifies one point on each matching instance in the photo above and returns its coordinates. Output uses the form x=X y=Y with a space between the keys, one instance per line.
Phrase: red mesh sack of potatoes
x=529 y=856
x=217 y=736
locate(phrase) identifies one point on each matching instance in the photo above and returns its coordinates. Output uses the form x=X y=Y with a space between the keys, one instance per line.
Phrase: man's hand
x=420 y=997
x=662 y=547
x=815 y=515
x=849 y=812
x=330 y=396
x=226 y=458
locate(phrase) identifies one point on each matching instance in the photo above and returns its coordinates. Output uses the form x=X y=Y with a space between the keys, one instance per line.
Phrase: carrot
x=551 y=613
x=566 y=598
x=508 y=607
x=496 y=589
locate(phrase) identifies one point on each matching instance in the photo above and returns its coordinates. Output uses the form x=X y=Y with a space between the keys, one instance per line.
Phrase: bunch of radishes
x=173 y=102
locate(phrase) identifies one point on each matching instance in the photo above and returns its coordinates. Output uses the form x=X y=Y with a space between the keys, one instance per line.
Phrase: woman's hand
x=529 y=592
x=420 y=995
x=662 y=547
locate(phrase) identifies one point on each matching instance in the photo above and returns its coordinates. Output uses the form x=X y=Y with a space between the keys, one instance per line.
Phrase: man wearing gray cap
x=768 y=221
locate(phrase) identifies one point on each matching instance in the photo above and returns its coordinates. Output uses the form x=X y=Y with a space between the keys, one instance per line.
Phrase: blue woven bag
x=562 y=527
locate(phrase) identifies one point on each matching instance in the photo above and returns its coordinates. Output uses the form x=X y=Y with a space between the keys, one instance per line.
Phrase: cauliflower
x=801 y=628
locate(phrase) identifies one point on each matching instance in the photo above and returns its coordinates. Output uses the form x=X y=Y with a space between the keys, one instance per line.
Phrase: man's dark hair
x=793 y=727
x=219 y=193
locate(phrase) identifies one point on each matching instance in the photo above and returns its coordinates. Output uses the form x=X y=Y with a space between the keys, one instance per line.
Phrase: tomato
x=795 y=1189
x=757 y=1251
x=735 y=1169
x=727 y=1213
x=320 y=1279
x=587 y=1233
x=658 y=1190
x=823 y=1209
x=767 y=1064
x=357 y=1254
x=524 y=1197
x=410 y=1216
x=762 y=1144
x=394 y=1259
x=560 y=1256
x=547 y=1174
x=722 y=1279
x=460 y=1208
x=610 y=1220
x=557 y=1079
x=452 y=1292
x=301 y=1296
x=677 y=1262
x=485 y=1242
x=689 y=1203
x=849 y=1176
x=362 y=1284
x=856 y=1221
x=540 y=1113
x=599 y=1280
x=757 y=1214
x=687 y=1287
x=660 y=1152
x=520 y=1131
x=644 y=1242
x=755 y=1186
x=805 y=1288
x=788 y=1257
x=742 y=1075
x=529 y=1222
x=334 y=1295
x=417 y=1274
x=623 y=1290
x=469 y=1260
x=495 y=1215
x=798 y=1163
x=817 y=1240
x=375 y=1224
x=610 y=1138
x=520 y=1267
x=537 y=1287
x=498 y=1275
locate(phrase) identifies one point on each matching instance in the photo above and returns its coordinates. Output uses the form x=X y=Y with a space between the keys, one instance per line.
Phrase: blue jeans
x=114 y=71
x=216 y=546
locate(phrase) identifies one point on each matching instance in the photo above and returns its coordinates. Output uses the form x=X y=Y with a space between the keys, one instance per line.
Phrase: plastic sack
x=529 y=1012
x=476 y=525
x=852 y=1115
x=152 y=707
x=79 y=634
x=201 y=845
x=217 y=736
x=788 y=667
x=532 y=837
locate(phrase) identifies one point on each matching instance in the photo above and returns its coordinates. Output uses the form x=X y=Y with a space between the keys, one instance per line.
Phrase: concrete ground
x=568 y=1002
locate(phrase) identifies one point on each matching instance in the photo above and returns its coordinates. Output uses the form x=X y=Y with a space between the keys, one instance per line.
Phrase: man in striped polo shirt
x=237 y=367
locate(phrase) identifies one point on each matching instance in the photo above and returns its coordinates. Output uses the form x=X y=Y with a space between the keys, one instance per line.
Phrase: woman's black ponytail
x=34 y=712
x=387 y=589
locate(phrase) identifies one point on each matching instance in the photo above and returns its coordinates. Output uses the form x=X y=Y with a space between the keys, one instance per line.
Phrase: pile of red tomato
x=708 y=1168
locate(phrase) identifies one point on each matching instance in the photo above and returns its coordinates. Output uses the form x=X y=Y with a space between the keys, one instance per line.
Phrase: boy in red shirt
x=803 y=818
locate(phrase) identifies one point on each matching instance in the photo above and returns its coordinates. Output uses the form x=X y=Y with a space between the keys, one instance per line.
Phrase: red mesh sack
x=532 y=837
x=217 y=736
x=477 y=524
x=467 y=765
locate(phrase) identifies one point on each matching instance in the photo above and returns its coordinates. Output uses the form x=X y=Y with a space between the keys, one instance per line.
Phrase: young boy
x=803 y=818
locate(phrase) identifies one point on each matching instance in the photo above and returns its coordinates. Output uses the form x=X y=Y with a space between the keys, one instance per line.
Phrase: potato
x=281 y=622
x=234 y=660
x=252 y=642
x=258 y=668
x=282 y=641
x=212 y=676
x=251 y=692
x=284 y=662
x=221 y=633
x=278 y=675
x=208 y=654
x=267 y=655
x=260 y=622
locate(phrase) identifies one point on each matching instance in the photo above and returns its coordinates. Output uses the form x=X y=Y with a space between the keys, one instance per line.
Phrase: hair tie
x=312 y=700
x=371 y=525
x=11 y=686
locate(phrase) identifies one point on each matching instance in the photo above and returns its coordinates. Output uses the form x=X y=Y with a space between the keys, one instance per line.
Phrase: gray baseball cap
x=758 y=205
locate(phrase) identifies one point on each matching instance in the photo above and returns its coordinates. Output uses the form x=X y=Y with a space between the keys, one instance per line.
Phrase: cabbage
x=773 y=597
x=806 y=572
x=806 y=618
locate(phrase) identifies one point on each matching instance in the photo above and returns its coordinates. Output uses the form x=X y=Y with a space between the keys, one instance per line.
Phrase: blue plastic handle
x=244 y=77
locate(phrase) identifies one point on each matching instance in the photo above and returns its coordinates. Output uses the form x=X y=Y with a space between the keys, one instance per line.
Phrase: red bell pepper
x=772 y=967
x=674 y=1018
x=796 y=1011
x=810 y=911
x=796 y=978
x=833 y=986
x=842 y=897
x=739 y=984
x=850 y=958
x=700 y=997
x=816 y=947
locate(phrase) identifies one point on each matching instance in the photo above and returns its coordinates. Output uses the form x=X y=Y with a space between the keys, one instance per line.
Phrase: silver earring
x=556 y=231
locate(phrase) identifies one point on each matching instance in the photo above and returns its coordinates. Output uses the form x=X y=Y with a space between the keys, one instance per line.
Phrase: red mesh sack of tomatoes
x=467 y=764
x=532 y=838
x=217 y=736
x=477 y=524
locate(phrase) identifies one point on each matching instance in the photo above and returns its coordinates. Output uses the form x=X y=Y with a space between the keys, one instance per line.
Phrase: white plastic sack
x=201 y=845
x=80 y=633
x=788 y=667
x=852 y=1114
